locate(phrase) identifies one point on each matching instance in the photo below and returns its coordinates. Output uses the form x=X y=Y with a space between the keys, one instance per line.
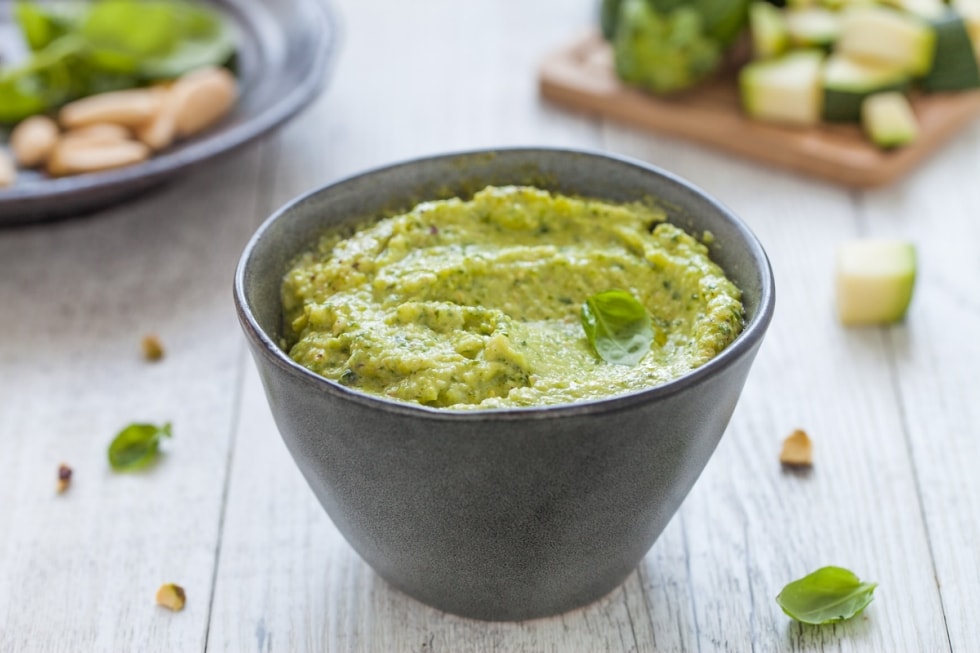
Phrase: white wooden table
x=894 y=413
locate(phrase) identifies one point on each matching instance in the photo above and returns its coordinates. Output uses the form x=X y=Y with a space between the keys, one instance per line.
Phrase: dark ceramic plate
x=284 y=48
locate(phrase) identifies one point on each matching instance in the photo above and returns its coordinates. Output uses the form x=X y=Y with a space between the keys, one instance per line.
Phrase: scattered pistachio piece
x=64 y=477
x=797 y=450
x=172 y=596
x=152 y=347
x=32 y=140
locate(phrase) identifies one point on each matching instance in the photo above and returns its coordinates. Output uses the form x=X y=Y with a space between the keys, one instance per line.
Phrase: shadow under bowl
x=504 y=514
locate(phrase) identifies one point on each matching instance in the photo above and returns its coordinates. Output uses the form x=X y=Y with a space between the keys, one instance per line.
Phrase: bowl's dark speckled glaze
x=511 y=514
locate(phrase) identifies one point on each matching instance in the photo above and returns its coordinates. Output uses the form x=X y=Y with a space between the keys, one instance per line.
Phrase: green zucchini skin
x=845 y=106
x=608 y=17
x=954 y=65
x=848 y=82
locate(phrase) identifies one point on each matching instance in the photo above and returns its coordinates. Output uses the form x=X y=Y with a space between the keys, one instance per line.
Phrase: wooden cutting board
x=581 y=76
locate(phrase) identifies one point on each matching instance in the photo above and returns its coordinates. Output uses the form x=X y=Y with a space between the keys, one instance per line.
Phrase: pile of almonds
x=120 y=128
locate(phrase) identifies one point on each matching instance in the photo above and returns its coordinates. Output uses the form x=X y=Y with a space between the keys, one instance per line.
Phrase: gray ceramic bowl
x=510 y=514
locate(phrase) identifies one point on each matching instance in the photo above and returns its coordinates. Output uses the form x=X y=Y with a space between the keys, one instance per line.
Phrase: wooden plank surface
x=752 y=527
x=78 y=572
x=894 y=494
x=580 y=75
x=936 y=355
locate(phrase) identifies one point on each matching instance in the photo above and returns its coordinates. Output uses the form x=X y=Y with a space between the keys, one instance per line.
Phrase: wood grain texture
x=581 y=76
x=936 y=356
x=78 y=572
x=752 y=527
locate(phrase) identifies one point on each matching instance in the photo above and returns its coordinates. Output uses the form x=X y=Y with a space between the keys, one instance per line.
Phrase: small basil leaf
x=827 y=595
x=189 y=55
x=138 y=29
x=617 y=326
x=36 y=27
x=136 y=446
x=42 y=24
x=158 y=39
x=20 y=97
x=205 y=40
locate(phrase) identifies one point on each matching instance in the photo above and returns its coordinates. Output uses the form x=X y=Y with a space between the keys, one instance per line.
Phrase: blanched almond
x=161 y=131
x=130 y=108
x=98 y=134
x=33 y=139
x=8 y=174
x=201 y=98
x=73 y=158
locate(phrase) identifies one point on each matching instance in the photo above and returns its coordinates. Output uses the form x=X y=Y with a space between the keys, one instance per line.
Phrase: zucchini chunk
x=888 y=37
x=837 y=5
x=954 y=66
x=928 y=9
x=770 y=38
x=785 y=90
x=875 y=279
x=847 y=82
x=888 y=120
x=812 y=27
x=970 y=11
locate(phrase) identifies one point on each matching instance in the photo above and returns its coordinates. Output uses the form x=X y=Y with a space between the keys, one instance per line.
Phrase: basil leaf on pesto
x=136 y=446
x=618 y=326
x=827 y=595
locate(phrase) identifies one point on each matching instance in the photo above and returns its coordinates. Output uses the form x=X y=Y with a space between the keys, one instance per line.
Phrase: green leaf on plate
x=158 y=39
x=136 y=446
x=83 y=48
x=42 y=24
x=617 y=326
x=827 y=595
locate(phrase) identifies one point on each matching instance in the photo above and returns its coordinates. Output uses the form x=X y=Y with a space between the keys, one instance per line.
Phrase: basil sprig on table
x=827 y=595
x=618 y=326
x=136 y=446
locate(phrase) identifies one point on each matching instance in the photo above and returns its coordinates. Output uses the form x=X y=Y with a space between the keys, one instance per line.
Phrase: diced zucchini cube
x=847 y=82
x=784 y=90
x=954 y=66
x=889 y=37
x=888 y=119
x=770 y=37
x=874 y=281
x=812 y=26
x=925 y=8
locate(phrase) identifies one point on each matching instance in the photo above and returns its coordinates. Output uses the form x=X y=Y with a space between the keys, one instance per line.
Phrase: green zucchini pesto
x=475 y=304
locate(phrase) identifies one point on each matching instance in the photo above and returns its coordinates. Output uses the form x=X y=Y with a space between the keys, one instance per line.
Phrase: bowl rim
x=749 y=337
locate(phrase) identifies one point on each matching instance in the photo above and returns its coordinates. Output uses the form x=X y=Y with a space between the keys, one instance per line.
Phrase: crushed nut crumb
x=152 y=348
x=64 y=477
x=797 y=450
x=171 y=596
